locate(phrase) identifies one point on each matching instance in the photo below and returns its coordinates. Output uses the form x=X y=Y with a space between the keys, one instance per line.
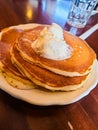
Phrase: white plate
x=44 y=98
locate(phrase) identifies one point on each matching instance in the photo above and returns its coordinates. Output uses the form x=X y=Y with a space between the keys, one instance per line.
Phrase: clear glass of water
x=80 y=12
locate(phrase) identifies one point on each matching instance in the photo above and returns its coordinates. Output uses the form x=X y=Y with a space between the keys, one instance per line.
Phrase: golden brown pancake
x=64 y=75
x=44 y=77
x=10 y=72
x=79 y=64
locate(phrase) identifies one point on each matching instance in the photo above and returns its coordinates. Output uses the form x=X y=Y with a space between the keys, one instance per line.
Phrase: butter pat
x=51 y=44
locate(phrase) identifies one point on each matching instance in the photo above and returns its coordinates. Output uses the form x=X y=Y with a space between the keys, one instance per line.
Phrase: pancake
x=79 y=64
x=45 y=78
x=26 y=66
x=9 y=71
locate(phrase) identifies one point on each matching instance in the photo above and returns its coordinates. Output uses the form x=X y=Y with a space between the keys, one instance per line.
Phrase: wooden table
x=19 y=115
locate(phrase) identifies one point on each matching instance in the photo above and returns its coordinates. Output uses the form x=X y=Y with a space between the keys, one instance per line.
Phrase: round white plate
x=44 y=98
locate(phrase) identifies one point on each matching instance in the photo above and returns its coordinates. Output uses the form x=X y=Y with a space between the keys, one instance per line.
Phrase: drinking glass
x=80 y=12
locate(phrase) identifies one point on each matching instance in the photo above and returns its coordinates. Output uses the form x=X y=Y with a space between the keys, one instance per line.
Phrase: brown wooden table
x=19 y=115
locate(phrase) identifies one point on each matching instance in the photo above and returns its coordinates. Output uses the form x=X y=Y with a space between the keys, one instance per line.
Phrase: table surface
x=19 y=115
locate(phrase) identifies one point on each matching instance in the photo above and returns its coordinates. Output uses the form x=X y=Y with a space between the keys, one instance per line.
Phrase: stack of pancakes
x=22 y=66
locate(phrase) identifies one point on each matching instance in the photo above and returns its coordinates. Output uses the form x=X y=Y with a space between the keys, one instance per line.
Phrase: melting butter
x=51 y=44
